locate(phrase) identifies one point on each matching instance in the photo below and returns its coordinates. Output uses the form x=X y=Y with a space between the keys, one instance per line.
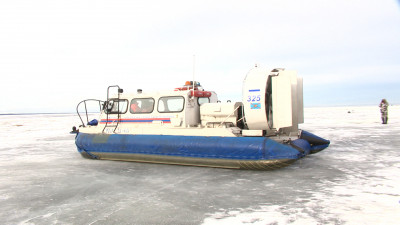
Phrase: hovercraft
x=190 y=126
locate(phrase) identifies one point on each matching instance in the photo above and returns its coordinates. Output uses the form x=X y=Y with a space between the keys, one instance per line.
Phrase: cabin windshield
x=171 y=104
x=114 y=106
x=142 y=105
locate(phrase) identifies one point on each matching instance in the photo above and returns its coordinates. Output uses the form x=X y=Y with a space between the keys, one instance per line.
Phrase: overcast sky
x=54 y=53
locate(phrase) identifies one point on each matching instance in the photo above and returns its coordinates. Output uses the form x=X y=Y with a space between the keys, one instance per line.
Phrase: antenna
x=194 y=63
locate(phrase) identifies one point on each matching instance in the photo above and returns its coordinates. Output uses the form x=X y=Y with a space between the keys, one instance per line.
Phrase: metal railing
x=86 y=110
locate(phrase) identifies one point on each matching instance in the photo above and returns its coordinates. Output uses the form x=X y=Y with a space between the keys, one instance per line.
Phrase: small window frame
x=198 y=100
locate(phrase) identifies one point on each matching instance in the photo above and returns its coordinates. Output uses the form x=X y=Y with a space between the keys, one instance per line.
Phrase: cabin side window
x=115 y=106
x=202 y=100
x=142 y=105
x=171 y=104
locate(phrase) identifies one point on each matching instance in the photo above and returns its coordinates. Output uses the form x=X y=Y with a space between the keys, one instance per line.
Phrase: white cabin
x=272 y=104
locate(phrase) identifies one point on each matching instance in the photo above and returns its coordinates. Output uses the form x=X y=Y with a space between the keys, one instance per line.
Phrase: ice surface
x=44 y=180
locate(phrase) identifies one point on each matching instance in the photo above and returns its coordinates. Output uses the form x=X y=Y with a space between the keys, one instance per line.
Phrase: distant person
x=384 y=111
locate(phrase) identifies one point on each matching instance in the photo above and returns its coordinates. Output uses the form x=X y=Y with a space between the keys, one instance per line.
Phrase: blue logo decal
x=255 y=105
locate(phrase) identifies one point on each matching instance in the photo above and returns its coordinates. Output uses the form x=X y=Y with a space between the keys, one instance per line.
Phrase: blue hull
x=228 y=152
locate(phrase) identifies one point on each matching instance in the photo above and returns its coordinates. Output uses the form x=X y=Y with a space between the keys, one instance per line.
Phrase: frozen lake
x=44 y=180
